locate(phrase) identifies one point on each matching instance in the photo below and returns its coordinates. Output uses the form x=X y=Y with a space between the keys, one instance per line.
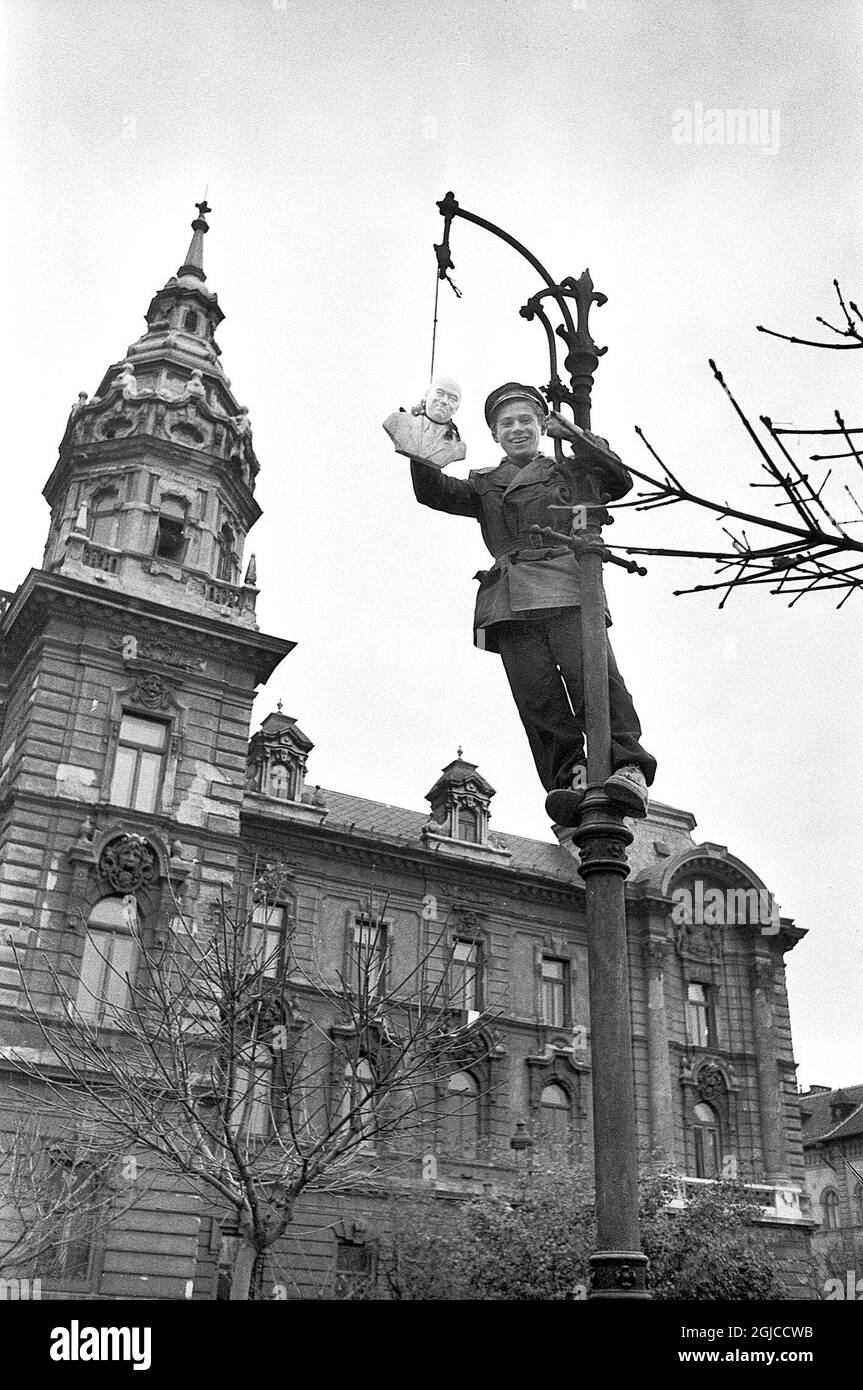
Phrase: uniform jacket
x=526 y=582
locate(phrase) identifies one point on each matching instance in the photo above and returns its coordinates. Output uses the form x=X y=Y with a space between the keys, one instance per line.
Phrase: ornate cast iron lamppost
x=618 y=1268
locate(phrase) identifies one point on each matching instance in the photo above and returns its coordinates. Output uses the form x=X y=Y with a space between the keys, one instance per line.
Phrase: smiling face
x=518 y=429
x=442 y=400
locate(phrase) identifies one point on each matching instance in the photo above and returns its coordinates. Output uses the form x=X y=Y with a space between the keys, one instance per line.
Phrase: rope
x=434 y=325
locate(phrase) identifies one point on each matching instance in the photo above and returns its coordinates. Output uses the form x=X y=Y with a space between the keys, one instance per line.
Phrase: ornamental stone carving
x=711 y=1082
x=152 y=691
x=129 y=863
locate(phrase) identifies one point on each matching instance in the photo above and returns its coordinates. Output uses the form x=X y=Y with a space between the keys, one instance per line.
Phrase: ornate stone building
x=833 y=1151
x=130 y=661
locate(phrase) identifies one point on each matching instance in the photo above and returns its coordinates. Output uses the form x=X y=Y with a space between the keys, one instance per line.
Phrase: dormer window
x=171 y=539
x=468 y=825
x=280 y=782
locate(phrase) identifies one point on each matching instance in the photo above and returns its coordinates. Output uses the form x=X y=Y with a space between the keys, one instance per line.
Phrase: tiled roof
x=665 y=827
x=819 y=1124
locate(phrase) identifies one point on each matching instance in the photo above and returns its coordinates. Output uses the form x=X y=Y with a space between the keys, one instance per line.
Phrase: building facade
x=833 y=1151
x=130 y=661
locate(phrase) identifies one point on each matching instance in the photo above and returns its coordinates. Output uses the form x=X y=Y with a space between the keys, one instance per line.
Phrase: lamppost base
x=618 y=1274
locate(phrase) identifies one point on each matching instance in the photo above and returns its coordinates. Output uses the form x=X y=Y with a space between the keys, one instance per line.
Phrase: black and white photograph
x=431 y=745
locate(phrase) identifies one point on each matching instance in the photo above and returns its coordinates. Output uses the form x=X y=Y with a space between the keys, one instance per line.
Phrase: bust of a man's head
x=442 y=399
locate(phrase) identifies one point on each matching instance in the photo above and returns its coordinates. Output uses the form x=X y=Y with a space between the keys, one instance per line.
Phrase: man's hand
x=591 y=451
x=561 y=428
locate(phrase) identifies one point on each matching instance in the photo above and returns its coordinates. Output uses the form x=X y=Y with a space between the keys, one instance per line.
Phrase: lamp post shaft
x=618 y=1268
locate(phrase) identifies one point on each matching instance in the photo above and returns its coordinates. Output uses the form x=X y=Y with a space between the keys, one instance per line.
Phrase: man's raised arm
x=434 y=489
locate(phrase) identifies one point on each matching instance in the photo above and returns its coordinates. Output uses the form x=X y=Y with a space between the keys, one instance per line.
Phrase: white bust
x=428 y=431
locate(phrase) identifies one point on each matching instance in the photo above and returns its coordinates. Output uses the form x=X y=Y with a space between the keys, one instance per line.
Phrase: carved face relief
x=128 y=863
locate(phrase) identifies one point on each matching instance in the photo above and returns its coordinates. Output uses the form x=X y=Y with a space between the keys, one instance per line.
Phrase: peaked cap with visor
x=513 y=391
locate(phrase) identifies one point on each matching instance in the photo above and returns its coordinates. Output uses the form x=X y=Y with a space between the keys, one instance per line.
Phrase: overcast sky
x=325 y=131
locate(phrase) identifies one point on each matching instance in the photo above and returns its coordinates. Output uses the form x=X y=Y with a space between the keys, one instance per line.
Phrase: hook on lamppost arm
x=448 y=207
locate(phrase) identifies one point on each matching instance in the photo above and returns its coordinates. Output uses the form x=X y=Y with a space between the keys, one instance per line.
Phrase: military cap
x=513 y=391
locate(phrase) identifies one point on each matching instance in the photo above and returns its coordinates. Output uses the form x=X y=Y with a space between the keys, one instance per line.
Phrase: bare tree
x=253 y=1079
x=816 y=553
x=55 y=1195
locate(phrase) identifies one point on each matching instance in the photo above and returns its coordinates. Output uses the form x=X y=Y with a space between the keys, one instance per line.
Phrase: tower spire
x=194 y=262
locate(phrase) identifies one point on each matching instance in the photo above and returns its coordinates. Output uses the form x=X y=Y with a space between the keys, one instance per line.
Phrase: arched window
x=468 y=825
x=830 y=1209
x=110 y=960
x=460 y=1115
x=358 y=1105
x=104 y=517
x=705 y=1133
x=190 y=322
x=227 y=563
x=554 y=1111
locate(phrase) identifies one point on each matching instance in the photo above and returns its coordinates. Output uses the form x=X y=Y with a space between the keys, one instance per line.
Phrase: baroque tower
x=129 y=664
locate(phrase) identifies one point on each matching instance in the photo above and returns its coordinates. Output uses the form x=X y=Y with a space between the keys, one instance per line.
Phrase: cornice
x=337 y=843
x=42 y=593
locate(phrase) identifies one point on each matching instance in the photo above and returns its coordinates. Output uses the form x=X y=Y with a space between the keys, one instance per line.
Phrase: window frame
x=254 y=1079
x=55 y=1277
x=359 y=1111
x=95 y=1005
x=704 y=1130
x=469 y=986
x=698 y=1012
x=469 y=815
x=275 y=961
x=458 y=1117
x=134 y=778
x=564 y=983
x=176 y=553
x=99 y=514
x=549 y=1129
x=227 y=555
x=347 y=1279
x=830 y=1220
x=361 y=924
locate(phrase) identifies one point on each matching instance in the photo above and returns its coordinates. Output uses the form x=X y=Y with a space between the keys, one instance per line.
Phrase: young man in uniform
x=527 y=608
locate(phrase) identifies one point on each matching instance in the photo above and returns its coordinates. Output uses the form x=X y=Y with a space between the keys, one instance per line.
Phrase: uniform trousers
x=543 y=661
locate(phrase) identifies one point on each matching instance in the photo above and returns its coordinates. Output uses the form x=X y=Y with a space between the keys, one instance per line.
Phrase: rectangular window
x=138 y=763
x=706 y=1152
x=171 y=534
x=107 y=972
x=252 y=1098
x=465 y=989
x=355 y=1266
x=700 y=1029
x=552 y=1001
x=72 y=1192
x=267 y=938
x=368 y=962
